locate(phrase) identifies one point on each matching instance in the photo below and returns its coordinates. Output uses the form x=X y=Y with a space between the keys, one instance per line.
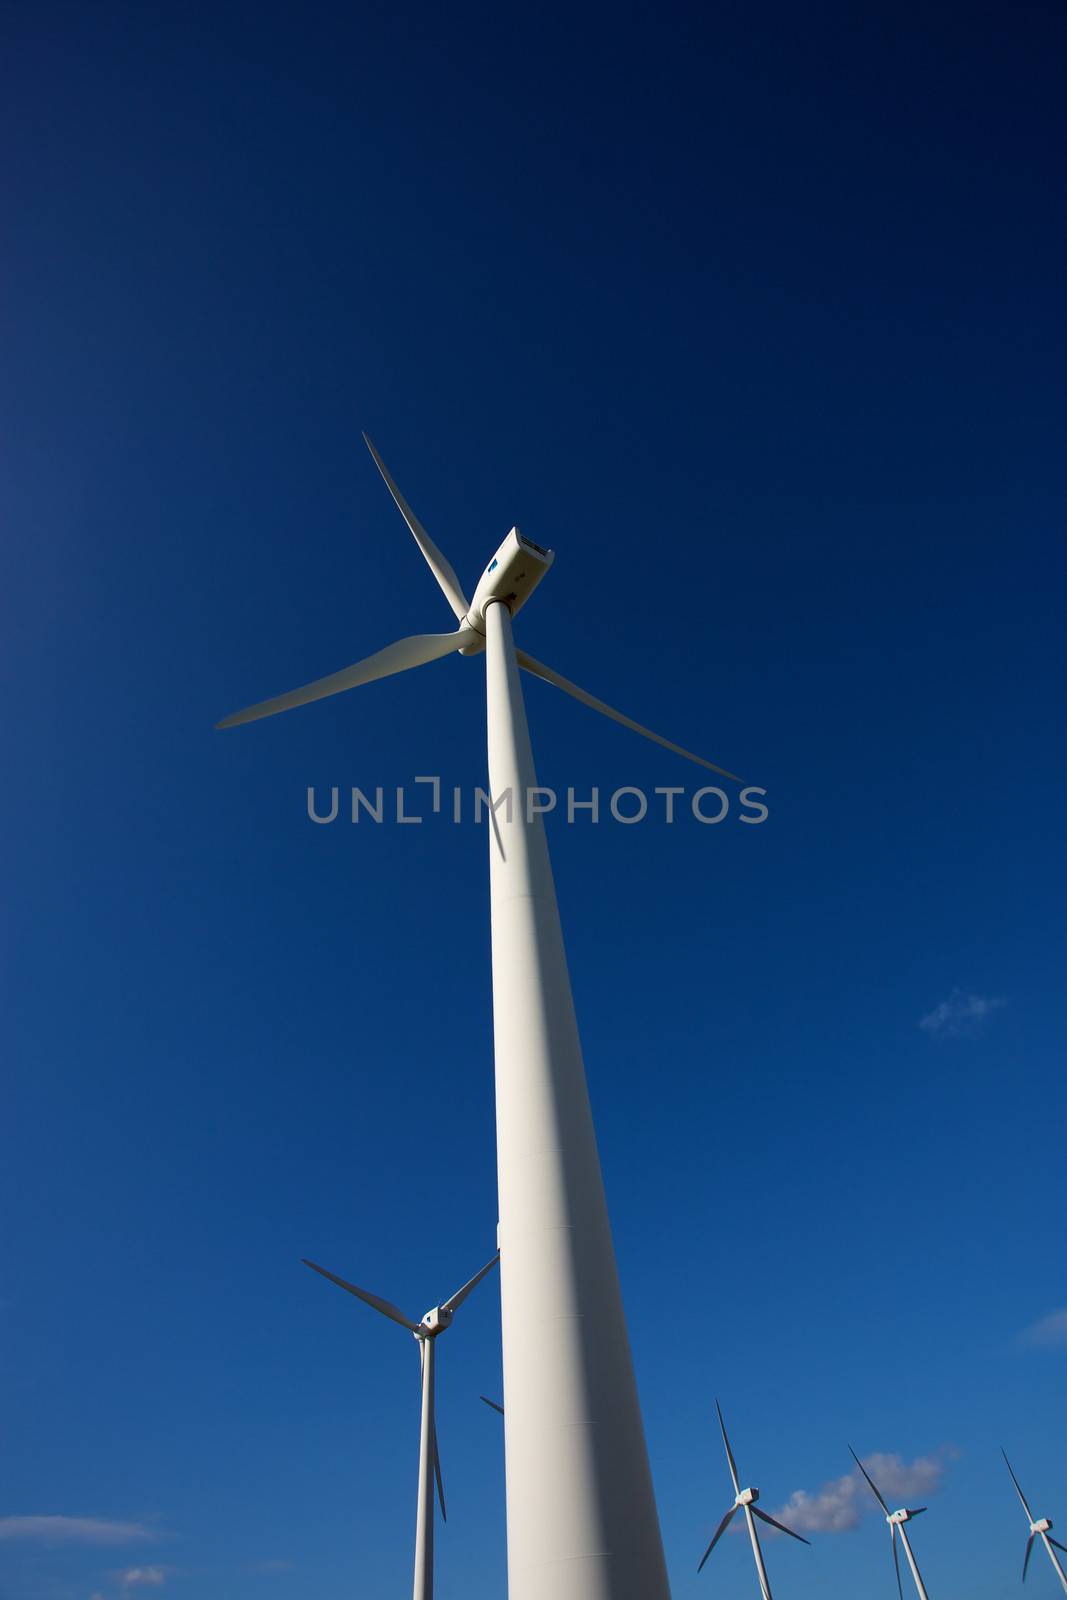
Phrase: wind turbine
x=581 y=1515
x=1040 y=1528
x=745 y=1500
x=896 y=1521
x=426 y=1332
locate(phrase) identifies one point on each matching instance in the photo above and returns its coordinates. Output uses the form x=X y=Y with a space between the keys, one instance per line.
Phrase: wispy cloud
x=74 y=1530
x=843 y=1502
x=960 y=1014
x=143 y=1577
x=1047 y=1332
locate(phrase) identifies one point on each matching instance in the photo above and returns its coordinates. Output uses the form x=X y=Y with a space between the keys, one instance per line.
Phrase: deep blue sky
x=755 y=316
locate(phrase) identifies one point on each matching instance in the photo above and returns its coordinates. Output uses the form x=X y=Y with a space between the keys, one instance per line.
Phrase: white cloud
x=959 y=1014
x=901 y=1480
x=143 y=1577
x=1047 y=1332
x=841 y=1503
x=73 y=1530
x=832 y=1509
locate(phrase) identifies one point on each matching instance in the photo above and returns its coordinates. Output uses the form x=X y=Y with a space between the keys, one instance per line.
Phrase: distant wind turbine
x=745 y=1500
x=896 y=1521
x=1040 y=1528
x=581 y=1513
x=426 y=1332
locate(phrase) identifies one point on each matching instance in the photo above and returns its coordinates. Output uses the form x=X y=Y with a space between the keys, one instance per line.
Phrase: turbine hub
x=747 y=1497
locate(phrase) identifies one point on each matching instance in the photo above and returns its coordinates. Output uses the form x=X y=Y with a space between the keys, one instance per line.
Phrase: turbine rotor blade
x=1057 y=1543
x=729 y=1452
x=765 y=1517
x=539 y=670
x=916 y=1511
x=1026 y=1557
x=1015 y=1481
x=437 y=1473
x=386 y=1307
x=871 y=1481
x=433 y=1434
x=447 y=581
x=896 y=1557
x=491 y=1403
x=719 y=1531
x=461 y=1294
x=416 y=651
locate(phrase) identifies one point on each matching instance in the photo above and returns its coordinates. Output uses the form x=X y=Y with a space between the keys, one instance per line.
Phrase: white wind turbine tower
x=1040 y=1528
x=745 y=1500
x=426 y=1332
x=896 y=1521
x=581 y=1516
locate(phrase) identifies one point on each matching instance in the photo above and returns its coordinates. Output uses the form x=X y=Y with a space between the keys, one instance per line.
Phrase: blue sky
x=756 y=319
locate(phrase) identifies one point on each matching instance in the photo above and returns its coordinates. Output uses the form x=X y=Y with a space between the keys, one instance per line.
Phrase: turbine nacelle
x=433 y=1323
x=903 y=1515
x=1042 y=1525
x=747 y=1497
x=511 y=577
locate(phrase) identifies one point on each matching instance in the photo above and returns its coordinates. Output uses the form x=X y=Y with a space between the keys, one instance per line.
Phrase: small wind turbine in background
x=426 y=1332
x=896 y=1521
x=745 y=1500
x=1040 y=1528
